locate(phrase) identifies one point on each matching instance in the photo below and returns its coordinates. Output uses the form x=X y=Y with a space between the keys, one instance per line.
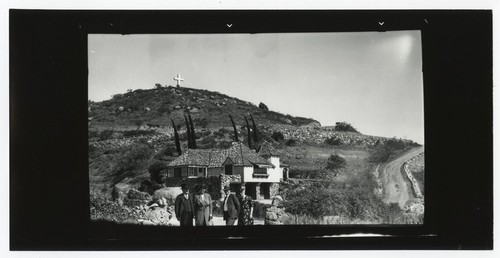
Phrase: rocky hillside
x=155 y=108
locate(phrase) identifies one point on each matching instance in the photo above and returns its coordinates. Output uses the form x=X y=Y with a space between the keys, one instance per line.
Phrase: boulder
x=158 y=215
x=277 y=201
x=286 y=219
x=168 y=194
x=135 y=197
x=271 y=216
x=119 y=192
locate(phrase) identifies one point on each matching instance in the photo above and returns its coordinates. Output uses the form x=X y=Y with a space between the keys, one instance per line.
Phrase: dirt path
x=396 y=189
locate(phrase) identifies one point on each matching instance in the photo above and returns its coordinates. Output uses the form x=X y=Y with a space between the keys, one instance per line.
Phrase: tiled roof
x=238 y=152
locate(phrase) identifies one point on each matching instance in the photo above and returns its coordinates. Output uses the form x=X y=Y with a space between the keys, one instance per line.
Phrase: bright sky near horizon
x=372 y=80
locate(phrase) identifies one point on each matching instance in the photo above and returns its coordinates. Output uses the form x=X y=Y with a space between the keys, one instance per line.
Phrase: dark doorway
x=264 y=191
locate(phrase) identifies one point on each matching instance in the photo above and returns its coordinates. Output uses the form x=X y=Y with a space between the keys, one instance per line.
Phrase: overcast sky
x=372 y=80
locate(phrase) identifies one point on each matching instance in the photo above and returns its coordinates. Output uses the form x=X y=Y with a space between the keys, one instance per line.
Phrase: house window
x=177 y=172
x=201 y=171
x=191 y=171
x=257 y=170
x=228 y=169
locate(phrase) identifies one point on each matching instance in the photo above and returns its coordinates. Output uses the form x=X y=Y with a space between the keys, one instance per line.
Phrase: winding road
x=396 y=188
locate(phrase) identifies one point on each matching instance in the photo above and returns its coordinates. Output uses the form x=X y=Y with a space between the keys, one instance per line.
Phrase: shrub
x=291 y=142
x=333 y=141
x=105 y=135
x=335 y=162
x=202 y=122
x=224 y=144
x=104 y=209
x=383 y=152
x=301 y=173
x=169 y=151
x=263 y=106
x=130 y=158
x=208 y=142
x=155 y=170
x=93 y=134
x=278 y=136
x=345 y=127
x=138 y=132
x=165 y=107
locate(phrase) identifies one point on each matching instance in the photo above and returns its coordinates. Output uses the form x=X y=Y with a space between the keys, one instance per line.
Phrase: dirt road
x=395 y=187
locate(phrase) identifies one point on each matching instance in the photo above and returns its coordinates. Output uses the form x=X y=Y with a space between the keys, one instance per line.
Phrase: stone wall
x=417 y=163
x=274 y=189
x=409 y=175
x=376 y=176
x=158 y=141
x=320 y=134
x=274 y=216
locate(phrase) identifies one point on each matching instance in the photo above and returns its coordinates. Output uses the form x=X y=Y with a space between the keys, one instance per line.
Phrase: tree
x=345 y=127
x=248 y=133
x=263 y=106
x=188 y=133
x=234 y=128
x=155 y=171
x=193 y=136
x=177 y=141
x=255 y=132
x=335 y=163
x=278 y=136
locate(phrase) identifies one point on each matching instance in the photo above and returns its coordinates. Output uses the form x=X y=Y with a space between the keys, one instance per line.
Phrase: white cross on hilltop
x=178 y=79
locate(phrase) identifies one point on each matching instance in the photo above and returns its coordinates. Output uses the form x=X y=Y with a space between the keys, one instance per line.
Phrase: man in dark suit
x=231 y=207
x=184 y=207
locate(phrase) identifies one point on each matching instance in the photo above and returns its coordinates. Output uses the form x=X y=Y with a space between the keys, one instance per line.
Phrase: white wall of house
x=275 y=175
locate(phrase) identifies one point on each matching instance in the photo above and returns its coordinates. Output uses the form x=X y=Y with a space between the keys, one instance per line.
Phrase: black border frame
x=48 y=130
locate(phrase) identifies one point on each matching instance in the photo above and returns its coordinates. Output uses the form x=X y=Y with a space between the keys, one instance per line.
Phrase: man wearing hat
x=202 y=206
x=184 y=207
x=231 y=207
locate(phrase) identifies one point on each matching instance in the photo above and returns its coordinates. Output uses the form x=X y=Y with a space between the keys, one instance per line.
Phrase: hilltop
x=155 y=107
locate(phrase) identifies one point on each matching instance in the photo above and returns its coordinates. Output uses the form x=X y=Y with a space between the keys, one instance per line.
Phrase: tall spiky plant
x=255 y=132
x=249 y=136
x=234 y=128
x=177 y=141
x=193 y=137
x=188 y=133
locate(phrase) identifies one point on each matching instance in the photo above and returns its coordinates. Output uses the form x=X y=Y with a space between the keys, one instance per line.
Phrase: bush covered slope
x=155 y=107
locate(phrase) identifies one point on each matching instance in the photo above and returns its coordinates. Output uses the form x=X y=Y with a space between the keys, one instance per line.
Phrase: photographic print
x=256 y=129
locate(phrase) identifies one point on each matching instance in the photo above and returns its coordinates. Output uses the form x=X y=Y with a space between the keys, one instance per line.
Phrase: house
x=260 y=172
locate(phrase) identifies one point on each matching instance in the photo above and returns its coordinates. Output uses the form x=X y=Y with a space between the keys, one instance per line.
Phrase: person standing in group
x=202 y=206
x=231 y=207
x=184 y=208
x=245 y=217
